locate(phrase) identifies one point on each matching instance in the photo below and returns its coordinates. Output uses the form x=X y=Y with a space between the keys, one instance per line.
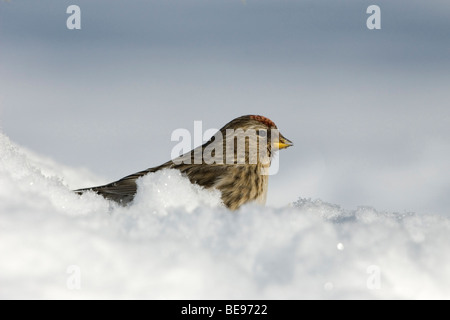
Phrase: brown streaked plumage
x=241 y=176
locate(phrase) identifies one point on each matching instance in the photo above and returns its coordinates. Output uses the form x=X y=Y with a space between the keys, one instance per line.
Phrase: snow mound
x=178 y=241
x=169 y=189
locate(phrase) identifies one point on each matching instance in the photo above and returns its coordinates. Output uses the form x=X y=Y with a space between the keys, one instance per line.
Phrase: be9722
x=246 y=309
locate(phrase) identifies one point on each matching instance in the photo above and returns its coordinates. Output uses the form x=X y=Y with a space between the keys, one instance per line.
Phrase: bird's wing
x=123 y=190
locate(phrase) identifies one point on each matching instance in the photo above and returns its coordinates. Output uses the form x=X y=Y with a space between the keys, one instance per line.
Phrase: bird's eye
x=262 y=133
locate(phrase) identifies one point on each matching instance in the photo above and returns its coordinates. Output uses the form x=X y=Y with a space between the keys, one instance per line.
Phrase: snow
x=178 y=241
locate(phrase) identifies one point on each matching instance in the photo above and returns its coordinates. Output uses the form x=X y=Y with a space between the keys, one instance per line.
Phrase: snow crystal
x=178 y=241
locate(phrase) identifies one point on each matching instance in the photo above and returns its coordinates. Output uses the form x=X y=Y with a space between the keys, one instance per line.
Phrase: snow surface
x=178 y=241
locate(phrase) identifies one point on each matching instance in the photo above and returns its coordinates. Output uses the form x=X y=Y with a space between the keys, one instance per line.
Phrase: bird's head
x=263 y=127
x=252 y=138
x=275 y=139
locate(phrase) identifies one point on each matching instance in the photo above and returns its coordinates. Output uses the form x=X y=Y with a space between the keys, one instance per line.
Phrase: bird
x=234 y=161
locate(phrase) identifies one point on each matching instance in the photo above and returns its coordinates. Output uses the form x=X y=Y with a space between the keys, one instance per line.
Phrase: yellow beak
x=282 y=143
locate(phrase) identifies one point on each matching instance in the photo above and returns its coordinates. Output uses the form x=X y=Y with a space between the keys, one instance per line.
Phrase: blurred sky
x=368 y=110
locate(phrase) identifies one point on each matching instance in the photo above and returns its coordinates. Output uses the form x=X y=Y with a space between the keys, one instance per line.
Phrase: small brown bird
x=235 y=161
